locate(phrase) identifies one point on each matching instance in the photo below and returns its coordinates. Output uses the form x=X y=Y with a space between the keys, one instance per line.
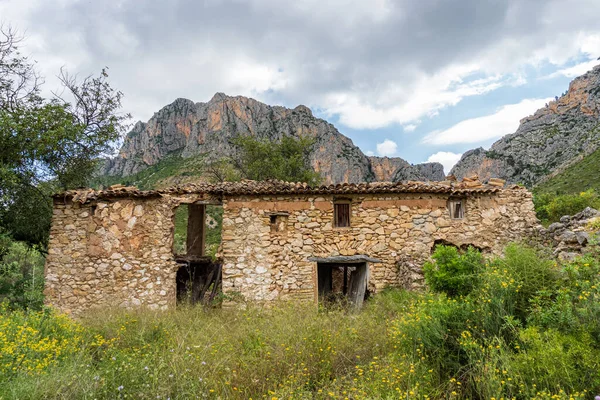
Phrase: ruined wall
x=264 y=264
x=111 y=253
x=119 y=251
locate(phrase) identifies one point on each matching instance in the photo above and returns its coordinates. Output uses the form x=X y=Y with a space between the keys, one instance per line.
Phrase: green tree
x=48 y=145
x=286 y=160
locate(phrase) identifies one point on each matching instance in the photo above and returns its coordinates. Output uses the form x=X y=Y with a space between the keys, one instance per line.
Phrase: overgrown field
x=518 y=327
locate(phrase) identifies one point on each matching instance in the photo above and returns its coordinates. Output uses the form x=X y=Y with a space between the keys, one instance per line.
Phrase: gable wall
x=117 y=255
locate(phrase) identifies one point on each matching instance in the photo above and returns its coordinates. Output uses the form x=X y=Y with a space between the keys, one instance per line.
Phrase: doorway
x=196 y=239
x=342 y=283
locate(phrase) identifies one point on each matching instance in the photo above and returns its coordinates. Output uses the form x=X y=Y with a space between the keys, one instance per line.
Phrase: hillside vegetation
x=578 y=177
x=167 y=172
x=521 y=326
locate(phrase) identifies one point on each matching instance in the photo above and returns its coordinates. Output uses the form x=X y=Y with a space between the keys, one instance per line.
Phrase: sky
x=423 y=80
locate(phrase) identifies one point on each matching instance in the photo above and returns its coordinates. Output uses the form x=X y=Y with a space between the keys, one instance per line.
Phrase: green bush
x=550 y=208
x=574 y=305
x=453 y=272
x=530 y=272
x=21 y=275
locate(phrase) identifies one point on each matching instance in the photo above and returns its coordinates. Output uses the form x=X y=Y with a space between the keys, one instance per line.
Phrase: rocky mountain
x=184 y=128
x=550 y=140
x=397 y=169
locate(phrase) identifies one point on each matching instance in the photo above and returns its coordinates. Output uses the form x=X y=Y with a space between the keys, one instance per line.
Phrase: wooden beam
x=195 y=229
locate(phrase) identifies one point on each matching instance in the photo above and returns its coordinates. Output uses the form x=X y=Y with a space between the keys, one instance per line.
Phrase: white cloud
x=424 y=97
x=446 y=158
x=369 y=153
x=504 y=121
x=387 y=148
x=409 y=128
x=576 y=70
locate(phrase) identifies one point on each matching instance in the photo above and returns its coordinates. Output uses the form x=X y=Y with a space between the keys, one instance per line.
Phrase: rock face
x=550 y=139
x=396 y=169
x=186 y=128
x=571 y=235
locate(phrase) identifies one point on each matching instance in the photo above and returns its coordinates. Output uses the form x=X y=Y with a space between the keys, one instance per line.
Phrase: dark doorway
x=198 y=282
x=342 y=283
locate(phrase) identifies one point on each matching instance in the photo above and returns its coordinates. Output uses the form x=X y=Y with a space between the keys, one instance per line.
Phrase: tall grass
x=511 y=335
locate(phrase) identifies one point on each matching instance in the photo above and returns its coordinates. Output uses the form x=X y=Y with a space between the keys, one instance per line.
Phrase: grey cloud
x=158 y=51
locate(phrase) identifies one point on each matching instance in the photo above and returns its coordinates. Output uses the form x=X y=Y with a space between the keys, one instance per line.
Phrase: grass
x=578 y=177
x=510 y=335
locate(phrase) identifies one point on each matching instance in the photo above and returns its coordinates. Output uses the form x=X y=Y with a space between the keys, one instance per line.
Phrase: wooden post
x=195 y=229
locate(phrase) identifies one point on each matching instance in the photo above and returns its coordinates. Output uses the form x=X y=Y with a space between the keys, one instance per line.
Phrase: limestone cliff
x=550 y=139
x=397 y=169
x=186 y=128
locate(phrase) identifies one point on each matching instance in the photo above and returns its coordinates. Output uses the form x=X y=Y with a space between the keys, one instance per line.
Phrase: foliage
x=286 y=160
x=580 y=176
x=402 y=345
x=531 y=272
x=170 y=170
x=21 y=275
x=48 y=144
x=549 y=208
x=453 y=272
x=31 y=342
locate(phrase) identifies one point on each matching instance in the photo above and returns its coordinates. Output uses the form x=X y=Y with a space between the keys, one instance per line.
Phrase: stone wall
x=264 y=264
x=111 y=253
x=118 y=252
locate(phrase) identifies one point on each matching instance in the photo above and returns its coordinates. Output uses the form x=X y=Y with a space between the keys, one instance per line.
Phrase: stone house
x=280 y=241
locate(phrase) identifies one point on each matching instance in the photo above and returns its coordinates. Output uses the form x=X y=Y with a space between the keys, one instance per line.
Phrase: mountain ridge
x=549 y=140
x=188 y=129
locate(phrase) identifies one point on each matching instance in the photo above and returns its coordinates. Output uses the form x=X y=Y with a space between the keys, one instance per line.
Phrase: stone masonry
x=114 y=247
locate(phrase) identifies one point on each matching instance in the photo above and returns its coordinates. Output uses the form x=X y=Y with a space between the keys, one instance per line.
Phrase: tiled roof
x=247 y=187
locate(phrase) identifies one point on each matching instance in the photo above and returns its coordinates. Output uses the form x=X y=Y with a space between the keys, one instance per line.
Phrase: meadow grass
x=503 y=339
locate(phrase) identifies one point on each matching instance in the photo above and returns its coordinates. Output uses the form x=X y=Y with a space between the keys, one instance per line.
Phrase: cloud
x=387 y=148
x=474 y=130
x=446 y=158
x=385 y=63
x=409 y=127
x=576 y=70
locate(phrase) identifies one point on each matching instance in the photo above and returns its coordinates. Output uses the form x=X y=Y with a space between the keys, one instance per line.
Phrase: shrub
x=21 y=275
x=453 y=272
x=550 y=208
x=529 y=272
x=574 y=305
x=548 y=358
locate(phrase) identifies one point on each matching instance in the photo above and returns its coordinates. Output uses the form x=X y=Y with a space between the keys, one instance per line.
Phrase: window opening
x=341 y=214
x=456 y=208
x=278 y=221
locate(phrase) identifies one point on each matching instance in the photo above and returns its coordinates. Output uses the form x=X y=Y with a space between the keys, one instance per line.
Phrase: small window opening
x=278 y=221
x=341 y=214
x=456 y=208
x=93 y=210
x=344 y=284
